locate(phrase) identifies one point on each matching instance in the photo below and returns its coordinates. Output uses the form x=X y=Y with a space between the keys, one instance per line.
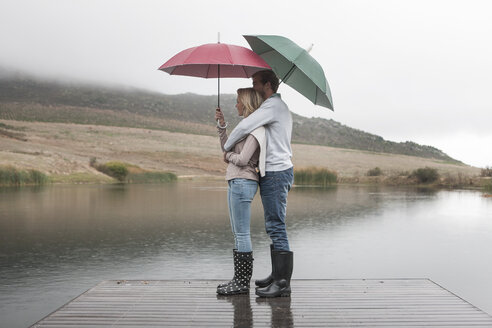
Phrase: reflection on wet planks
x=314 y=303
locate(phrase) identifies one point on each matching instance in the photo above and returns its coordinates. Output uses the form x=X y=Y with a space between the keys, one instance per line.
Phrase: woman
x=242 y=176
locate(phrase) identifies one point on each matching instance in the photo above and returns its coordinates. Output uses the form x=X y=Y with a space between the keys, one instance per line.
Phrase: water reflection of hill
x=76 y=224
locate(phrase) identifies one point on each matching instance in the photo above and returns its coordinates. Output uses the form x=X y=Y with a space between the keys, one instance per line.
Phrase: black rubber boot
x=234 y=251
x=283 y=262
x=243 y=270
x=268 y=280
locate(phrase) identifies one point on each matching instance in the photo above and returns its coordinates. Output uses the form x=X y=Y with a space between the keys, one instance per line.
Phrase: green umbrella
x=293 y=66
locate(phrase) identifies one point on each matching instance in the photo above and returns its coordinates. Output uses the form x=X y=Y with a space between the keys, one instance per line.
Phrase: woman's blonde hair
x=250 y=99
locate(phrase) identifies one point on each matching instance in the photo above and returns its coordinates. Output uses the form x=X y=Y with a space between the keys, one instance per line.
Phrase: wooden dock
x=314 y=303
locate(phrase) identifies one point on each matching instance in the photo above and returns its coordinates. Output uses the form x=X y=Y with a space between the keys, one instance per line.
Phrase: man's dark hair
x=269 y=76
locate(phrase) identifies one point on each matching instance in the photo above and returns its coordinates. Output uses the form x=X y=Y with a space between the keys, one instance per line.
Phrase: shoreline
x=64 y=152
x=474 y=183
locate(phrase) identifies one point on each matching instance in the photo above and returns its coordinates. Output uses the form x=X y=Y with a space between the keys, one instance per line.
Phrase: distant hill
x=26 y=98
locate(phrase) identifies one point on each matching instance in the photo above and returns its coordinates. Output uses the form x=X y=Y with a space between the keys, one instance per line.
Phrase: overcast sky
x=418 y=70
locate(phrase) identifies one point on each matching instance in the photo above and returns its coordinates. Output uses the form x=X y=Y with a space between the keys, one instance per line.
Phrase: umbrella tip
x=218 y=37
x=310 y=47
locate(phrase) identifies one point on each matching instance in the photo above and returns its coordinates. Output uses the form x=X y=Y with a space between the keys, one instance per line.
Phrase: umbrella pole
x=218 y=90
x=218 y=86
x=288 y=74
x=218 y=77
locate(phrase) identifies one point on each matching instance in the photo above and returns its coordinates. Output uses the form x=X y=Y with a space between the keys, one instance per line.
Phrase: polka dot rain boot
x=243 y=270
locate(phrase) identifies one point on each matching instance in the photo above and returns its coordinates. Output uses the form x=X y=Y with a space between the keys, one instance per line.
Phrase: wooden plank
x=314 y=303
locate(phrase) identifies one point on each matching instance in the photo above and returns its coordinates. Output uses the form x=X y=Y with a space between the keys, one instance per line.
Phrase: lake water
x=58 y=241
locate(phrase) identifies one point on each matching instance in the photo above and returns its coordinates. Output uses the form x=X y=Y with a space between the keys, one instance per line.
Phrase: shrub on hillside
x=117 y=170
x=125 y=172
x=486 y=172
x=37 y=178
x=315 y=176
x=93 y=162
x=10 y=176
x=375 y=172
x=425 y=175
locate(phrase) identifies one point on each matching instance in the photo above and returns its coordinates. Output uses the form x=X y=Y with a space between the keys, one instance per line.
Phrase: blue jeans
x=274 y=187
x=239 y=196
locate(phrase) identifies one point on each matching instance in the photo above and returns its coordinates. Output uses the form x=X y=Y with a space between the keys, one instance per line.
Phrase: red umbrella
x=215 y=60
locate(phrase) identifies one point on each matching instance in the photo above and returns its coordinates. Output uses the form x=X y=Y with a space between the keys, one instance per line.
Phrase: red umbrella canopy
x=215 y=60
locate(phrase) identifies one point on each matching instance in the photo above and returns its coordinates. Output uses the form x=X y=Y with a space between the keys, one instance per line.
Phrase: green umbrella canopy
x=294 y=66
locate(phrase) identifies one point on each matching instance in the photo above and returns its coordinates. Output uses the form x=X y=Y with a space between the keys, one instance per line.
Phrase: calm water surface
x=58 y=241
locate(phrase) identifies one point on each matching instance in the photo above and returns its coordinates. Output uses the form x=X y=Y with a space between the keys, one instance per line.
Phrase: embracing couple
x=258 y=152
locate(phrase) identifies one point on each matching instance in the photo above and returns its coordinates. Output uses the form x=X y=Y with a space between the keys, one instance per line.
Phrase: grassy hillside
x=66 y=152
x=26 y=99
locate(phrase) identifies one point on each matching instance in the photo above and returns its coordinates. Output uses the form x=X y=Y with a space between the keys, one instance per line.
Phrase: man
x=275 y=116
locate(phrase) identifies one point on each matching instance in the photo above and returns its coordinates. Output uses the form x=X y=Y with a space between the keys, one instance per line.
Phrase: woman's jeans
x=274 y=187
x=239 y=196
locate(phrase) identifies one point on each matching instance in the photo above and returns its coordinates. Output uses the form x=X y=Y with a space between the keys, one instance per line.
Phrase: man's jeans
x=274 y=187
x=239 y=196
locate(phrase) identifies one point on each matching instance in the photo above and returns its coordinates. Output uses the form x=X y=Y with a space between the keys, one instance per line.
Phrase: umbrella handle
x=220 y=126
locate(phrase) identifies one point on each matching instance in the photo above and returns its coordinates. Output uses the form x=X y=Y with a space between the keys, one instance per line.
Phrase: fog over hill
x=26 y=98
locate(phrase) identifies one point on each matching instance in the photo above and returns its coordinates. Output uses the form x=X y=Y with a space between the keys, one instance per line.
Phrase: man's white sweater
x=275 y=116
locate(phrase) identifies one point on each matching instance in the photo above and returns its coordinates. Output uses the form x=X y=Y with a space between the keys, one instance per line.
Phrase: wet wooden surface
x=314 y=303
